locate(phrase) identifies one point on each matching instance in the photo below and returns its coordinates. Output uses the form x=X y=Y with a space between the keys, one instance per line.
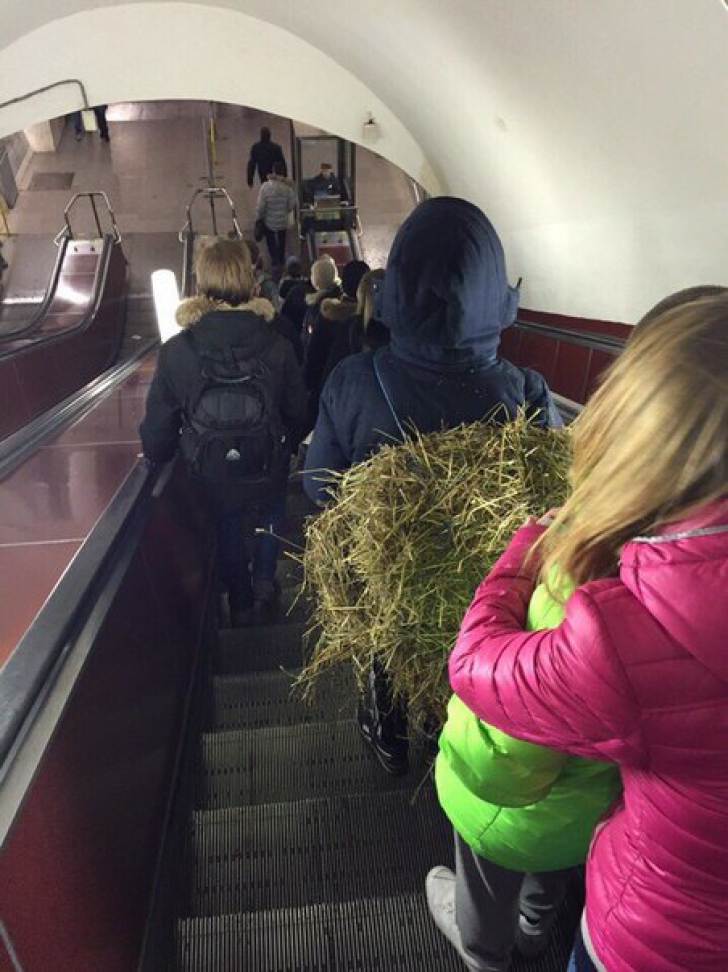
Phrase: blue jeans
x=580 y=960
x=243 y=536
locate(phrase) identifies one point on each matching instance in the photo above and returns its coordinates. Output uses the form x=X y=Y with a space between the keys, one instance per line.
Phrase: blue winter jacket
x=446 y=301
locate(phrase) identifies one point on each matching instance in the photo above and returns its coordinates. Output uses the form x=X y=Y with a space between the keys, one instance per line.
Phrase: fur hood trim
x=190 y=311
x=338 y=310
x=320 y=295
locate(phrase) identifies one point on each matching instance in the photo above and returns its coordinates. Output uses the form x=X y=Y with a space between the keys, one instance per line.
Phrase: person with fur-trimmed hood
x=225 y=316
x=334 y=314
x=326 y=284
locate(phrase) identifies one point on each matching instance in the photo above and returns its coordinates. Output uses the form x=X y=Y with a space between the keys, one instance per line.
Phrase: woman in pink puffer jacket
x=638 y=671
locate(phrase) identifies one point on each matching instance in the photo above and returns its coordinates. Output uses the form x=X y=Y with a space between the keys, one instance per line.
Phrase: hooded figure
x=446 y=301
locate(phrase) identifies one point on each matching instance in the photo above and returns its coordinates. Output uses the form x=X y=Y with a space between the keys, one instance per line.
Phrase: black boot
x=383 y=723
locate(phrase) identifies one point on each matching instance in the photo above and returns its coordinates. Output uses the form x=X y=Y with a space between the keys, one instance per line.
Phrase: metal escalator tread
x=388 y=934
x=260 y=648
x=277 y=764
x=313 y=851
x=381 y=935
x=269 y=699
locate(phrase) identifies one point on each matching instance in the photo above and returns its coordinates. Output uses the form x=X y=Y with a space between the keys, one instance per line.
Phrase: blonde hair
x=365 y=295
x=651 y=445
x=224 y=272
x=323 y=273
x=680 y=297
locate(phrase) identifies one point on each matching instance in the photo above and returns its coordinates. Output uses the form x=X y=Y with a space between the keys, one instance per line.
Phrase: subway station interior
x=168 y=801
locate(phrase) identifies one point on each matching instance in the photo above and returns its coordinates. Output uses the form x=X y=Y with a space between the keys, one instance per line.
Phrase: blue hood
x=446 y=295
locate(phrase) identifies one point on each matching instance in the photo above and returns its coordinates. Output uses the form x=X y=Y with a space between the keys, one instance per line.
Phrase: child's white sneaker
x=440 y=893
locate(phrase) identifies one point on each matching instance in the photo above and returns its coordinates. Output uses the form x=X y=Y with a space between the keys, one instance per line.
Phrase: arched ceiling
x=593 y=132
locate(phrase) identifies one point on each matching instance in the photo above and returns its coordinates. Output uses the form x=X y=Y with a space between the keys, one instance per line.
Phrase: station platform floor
x=154 y=161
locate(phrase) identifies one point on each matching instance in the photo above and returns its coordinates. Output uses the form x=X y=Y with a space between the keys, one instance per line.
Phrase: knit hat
x=323 y=273
x=351 y=276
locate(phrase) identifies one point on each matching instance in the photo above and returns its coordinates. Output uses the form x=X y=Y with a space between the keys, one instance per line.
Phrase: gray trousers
x=489 y=900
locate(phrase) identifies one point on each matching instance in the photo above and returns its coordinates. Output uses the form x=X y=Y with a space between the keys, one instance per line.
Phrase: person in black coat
x=446 y=300
x=335 y=314
x=365 y=330
x=262 y=156
x=225 y=315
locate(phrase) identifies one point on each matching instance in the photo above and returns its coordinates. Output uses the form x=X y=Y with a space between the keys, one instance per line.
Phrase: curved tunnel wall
x=593 y=134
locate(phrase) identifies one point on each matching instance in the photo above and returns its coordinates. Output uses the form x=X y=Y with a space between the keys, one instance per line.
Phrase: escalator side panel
x=40 y=373
x=14 y=410
x=77 y=868
x=570 y=366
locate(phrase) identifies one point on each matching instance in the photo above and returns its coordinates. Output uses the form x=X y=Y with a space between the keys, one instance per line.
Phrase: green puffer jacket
x=522 y=806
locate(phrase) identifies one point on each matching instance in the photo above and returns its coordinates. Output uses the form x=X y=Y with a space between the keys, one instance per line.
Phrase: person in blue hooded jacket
x=446 y=300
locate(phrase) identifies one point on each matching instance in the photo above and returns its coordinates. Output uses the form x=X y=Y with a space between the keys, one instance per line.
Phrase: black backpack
x=233 y=438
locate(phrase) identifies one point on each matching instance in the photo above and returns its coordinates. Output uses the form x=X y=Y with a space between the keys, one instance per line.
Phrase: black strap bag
x=233 y=438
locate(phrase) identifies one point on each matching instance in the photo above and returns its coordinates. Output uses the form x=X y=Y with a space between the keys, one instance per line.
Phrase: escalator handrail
x=16 y=447
x=27 y=327
x=598 y=342
x=66 y=231
x=211 y=193
x=568 y=408
x=188 y=253
x=29 y=673
x=91 y=312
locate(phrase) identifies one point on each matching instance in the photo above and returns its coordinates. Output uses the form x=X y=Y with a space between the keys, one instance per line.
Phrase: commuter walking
x=100 y=115
x=276 y=202
x=263 y=156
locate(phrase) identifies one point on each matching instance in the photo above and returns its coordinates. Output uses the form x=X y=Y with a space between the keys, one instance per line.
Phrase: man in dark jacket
x=226 y=320
x=262 y=156
x=446 y=300
x=324 y=183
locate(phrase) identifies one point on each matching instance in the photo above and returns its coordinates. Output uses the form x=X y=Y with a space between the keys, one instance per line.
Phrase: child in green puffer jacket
x=523 y=815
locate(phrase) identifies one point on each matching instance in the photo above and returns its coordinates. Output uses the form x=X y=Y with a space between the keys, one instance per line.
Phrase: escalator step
x=393 y=934
x=269 y=699
x=385 y=935
x=289 y=571
x=238 y=769
x=311 y=851
x=298 y=504
x=260 y=648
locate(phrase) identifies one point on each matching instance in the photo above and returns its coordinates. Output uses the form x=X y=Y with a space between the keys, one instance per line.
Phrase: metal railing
x=210 y=193
x=49 y=87
x=66 y=231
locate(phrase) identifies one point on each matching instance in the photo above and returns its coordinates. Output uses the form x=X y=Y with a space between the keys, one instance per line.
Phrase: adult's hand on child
x=548 y=518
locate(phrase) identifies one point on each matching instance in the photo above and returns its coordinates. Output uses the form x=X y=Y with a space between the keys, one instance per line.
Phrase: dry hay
x=393 y=562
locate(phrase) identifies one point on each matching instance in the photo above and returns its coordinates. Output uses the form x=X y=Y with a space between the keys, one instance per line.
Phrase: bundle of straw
x=393 y=563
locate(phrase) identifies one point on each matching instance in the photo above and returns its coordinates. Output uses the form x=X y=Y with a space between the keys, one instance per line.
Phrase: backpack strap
x=387 y=398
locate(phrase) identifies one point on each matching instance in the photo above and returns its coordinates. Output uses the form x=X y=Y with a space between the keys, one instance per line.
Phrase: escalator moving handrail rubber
x=27 y=327
x=16 y=447
x=97 y=294
x=599 y=342
x=29 y=667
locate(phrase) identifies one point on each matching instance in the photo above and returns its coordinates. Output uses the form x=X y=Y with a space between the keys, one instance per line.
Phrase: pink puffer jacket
x=637 y=673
